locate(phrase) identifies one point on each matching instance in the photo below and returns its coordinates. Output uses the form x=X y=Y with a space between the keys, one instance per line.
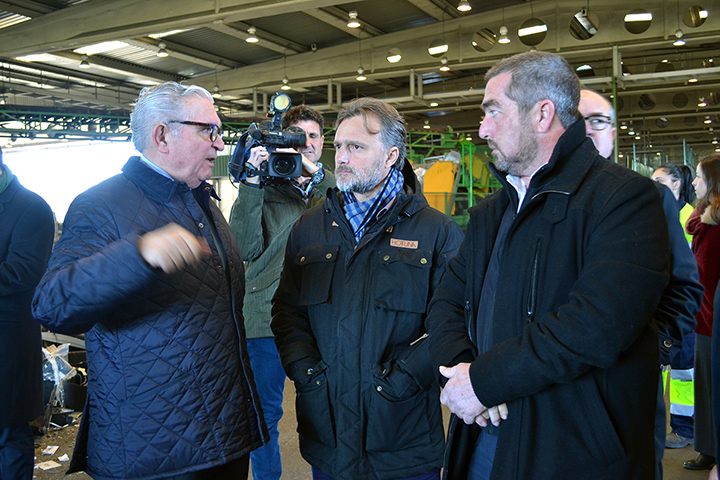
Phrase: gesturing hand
x=172 y=248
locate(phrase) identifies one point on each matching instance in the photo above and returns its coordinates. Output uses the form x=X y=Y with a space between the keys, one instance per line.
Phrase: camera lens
x=284 y=165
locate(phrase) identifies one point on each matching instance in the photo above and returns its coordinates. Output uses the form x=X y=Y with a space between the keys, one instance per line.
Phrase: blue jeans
x=270 y=382
x=483 y=457
x=17 y=453
x=434 y=475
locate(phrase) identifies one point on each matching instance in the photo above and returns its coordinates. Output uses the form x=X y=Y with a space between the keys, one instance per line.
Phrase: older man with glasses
x=599 y=121
x=149 y=270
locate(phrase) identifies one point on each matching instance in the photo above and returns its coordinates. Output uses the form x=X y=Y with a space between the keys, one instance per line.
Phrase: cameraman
x=261 y=219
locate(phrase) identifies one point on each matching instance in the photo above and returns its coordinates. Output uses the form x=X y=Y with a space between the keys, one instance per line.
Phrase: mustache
x=345 y=169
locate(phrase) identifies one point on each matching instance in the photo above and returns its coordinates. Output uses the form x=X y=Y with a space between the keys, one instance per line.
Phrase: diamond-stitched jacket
x=170 y=388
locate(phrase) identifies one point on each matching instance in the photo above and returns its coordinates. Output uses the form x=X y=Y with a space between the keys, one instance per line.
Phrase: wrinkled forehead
x=593 y=104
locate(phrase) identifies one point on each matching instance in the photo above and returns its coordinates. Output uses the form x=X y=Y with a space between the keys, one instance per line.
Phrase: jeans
x=270 y=382
x=17 y=453
x=483 y=457
x=434 y=475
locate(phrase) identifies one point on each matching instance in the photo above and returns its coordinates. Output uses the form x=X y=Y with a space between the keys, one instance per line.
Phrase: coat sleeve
x=625 y=269
x=290 y=321
x=446 y=325
x=675 y=315
x=92 y=270
x=29 y=249
x=246 y=222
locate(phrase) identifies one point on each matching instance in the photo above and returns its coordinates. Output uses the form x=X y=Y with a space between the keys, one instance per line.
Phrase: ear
x=392 y=157
x=544 y=113
x=160 y=137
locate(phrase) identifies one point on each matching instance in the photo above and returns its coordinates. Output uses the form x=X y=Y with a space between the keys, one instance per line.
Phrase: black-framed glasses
x=214 y=129
x=598 y=122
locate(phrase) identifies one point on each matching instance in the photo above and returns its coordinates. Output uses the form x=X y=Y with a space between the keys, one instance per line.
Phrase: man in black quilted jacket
x=147 y=267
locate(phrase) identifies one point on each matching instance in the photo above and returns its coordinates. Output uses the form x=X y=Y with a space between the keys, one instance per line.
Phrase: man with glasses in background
x=675 y=316
x=149 y=270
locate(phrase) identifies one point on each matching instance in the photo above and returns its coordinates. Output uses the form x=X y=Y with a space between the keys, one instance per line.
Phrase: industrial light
x=638 y=17
x=464 y=6
x=84 y=62
x=251 y=36
x=353 y=22
x=437 y=47
x=161 y=50
x=523 y=32
x=444 y=67
x=394 y=55
x=679 y=42
x=707 y=120
x=433 y=104
x=692 y=80
x=361 y=75
x=504 y=39
x=427 y=124
x=702 y=102
x=714 y=141
x=286 y=84
x=216 y=92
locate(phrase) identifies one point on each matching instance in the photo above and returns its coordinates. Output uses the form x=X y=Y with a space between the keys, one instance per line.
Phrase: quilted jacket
x=170 y=387
x=344 y=317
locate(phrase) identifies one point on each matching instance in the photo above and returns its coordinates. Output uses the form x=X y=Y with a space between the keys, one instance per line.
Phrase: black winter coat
x=344 y=318
x=27 y=228
x=170 y=388
x=573 y=352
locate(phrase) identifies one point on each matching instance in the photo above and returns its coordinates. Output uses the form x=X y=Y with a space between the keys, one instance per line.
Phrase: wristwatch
x=318 y=176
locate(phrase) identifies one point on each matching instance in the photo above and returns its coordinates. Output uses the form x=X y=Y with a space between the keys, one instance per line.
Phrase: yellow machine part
x=438 y=184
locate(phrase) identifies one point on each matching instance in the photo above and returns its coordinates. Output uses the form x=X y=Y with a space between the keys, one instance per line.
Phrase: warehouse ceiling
x=73 y=68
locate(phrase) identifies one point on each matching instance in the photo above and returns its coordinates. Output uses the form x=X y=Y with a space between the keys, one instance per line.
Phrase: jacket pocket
x=314 y=415
x=598 y=420
x=317 y=264
x=397 y=414
x=409 y=268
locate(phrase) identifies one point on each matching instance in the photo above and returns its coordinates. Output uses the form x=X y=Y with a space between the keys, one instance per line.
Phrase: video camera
x=269 y=134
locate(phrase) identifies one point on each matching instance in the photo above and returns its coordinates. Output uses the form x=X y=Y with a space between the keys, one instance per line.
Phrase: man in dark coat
x=348 y=315
x=547 y=307
x=148 y=267
x=27 y=228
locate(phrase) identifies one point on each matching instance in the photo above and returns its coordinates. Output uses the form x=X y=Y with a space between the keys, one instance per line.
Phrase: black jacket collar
x=156 y=186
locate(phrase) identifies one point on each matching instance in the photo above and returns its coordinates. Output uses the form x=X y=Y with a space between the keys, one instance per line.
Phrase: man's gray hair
x=537 y=76
x=392 y=125
x=161 y=103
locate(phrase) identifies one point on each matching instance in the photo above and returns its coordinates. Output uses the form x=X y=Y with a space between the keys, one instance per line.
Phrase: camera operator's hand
x=258 y=155
x=172 y=248
x=309 y=168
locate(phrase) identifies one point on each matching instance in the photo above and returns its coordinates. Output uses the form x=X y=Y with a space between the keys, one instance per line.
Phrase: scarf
x=6 y=178
x=360 y=214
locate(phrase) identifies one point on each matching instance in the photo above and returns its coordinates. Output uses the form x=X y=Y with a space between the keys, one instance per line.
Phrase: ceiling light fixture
x=679 y=42
x=84 y=62
x=444 y=67
x=161 y=50
x=216 y=92
x=692 y=80
x=464 y=6
x=251 y=36
x=433 y=104
x=394 y=55
x=504 y=39
x=714 y=141
x=353 y=22
x=707 y=120
x=702 y=102
x=427 y=124
x=361 y=75
x=286 y=84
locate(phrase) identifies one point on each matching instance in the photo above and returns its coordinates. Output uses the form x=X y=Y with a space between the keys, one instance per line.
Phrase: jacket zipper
x=532 y=293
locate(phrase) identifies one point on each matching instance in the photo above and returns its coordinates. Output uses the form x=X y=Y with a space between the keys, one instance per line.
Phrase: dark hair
x=536 y=76
x=299 y=114
x=710 y=167
x=681 y=174
x=392 y=125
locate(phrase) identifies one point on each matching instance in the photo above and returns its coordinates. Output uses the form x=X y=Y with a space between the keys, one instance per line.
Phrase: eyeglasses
x=214 y=129
x=598 y=122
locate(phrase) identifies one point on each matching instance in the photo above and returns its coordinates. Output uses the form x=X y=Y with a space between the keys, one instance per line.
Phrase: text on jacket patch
x=396 y=242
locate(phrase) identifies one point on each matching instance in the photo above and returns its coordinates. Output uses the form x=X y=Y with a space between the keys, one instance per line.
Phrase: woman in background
x=704 y=225
x=681 y=391
x=679 y=179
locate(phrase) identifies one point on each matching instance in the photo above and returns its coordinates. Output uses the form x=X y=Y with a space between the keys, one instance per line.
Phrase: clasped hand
x=459 y=396
x=172 y=248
